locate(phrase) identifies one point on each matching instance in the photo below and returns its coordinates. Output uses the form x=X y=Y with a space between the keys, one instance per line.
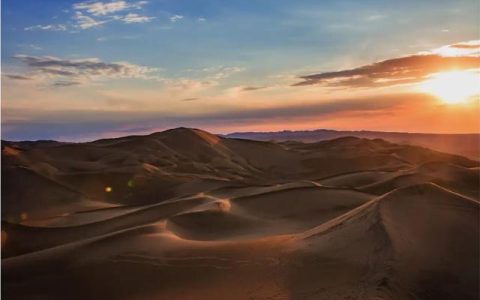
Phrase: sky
x=81 y=70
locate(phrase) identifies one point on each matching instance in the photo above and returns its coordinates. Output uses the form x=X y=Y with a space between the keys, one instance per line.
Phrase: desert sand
x=185 y=214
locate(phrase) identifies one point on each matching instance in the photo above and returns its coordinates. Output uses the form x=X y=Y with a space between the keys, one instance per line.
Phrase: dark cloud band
x=394 y=71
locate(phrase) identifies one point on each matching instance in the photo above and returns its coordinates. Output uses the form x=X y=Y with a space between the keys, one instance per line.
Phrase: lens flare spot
x=23 y=216
x=130 y=183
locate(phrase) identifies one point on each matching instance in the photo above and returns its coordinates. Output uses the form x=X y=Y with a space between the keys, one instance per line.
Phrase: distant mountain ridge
x=463 y=144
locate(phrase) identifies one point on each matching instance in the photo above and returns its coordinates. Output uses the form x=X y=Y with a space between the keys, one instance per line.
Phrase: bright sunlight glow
x=453 y=87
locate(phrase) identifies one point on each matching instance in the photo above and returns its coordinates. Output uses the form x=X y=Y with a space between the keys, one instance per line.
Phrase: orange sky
x=428 y=85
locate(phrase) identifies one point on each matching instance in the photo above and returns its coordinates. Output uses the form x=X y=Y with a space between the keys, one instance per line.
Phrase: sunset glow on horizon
x=76 y=70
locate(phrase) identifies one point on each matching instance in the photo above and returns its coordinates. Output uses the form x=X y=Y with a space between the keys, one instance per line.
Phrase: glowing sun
x=452 y=87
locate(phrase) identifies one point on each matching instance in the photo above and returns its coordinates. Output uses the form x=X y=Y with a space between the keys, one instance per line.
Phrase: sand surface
x=184 y=214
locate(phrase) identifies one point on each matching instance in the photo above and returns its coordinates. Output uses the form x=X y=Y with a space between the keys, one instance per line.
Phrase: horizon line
x=235 y=132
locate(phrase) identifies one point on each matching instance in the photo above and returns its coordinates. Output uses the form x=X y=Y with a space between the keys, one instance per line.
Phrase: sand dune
x=184 y=214
x=397 y=246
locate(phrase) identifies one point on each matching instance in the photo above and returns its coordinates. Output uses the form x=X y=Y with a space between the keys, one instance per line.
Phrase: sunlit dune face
x=453 y=87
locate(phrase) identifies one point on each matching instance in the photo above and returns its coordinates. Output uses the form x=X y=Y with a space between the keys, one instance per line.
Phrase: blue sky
x=206 y=53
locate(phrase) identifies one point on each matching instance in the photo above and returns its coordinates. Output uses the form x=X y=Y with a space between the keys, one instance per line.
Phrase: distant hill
x=463 y=144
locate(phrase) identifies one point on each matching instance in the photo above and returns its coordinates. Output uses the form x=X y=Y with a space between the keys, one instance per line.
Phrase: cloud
x=175 y=18
x=470 y=48
x=84 y=69
x=188 y=84
x=252 y=88
x=100 y=8
x=86 y=22
x=63 y=83
x=402 y=70
x=135 y=18
x=222 y=72
x=201 y=19
x=50 y=27
x=105 y=8
x=58 y=72
x=201 y=78
x=468 y=45
x=92 y=14
x=17 y=77
x=190 y=99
